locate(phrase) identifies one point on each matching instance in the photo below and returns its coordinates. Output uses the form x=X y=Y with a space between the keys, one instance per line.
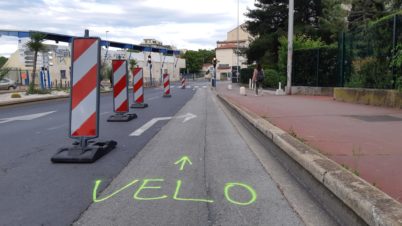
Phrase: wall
x=243 y=35
x=375 y=97
x=311 y=91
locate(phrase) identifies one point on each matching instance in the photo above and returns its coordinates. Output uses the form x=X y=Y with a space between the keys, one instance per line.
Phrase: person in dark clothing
x=258 y=78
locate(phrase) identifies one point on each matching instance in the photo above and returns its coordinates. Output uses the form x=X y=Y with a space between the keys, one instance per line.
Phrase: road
x=224 y=180
x=35 y=191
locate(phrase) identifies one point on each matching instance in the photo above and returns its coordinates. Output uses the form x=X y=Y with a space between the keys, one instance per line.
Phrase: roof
x=235 y=41
x=228 y=46
x=68 y=38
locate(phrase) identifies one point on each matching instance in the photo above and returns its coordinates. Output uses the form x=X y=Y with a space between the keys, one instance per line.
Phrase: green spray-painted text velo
x=152 y=184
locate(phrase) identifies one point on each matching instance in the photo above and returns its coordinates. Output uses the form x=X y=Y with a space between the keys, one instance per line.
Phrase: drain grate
x=376 y=118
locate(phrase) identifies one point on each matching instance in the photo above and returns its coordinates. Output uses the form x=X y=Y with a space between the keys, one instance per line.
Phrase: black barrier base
x=167 y=95
x=121 y=117
x=88 y=154
x=139 y=105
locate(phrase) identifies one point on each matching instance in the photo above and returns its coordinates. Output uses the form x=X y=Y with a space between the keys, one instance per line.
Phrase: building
x=156 y=44
x=57 y=59
x=226 y=52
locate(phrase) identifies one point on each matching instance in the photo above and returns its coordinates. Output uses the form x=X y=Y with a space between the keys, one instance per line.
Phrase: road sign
x=138 y=89
x=84 y=105
x=120 y=93
x=166 y=85
x=120 y=86
x=84 y=109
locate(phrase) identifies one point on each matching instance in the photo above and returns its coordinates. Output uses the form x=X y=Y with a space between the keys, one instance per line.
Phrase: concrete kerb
x=15 y=102
x=369 y=203
x=38 y=99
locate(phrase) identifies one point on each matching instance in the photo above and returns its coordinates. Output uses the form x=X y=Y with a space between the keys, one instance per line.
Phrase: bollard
x=84 y=105
x=166 y=85
x=183 y=83
x=250 y=84
x=279 y=91
x=120 y=93
x=242 y=91
x=138 y=89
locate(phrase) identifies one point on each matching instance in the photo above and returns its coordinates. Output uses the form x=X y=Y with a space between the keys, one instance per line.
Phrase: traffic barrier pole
x=120 y=93
x=183 y=83
x=166 y=85
x=84 y=105
x=138 y=88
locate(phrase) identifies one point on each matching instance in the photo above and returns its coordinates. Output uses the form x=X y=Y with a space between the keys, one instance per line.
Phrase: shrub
x=371 y=72
x=15 y=95
x=272 y=78
x=38 y=91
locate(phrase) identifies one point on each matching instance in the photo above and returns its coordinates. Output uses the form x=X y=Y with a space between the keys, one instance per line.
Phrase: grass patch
x=15 y=95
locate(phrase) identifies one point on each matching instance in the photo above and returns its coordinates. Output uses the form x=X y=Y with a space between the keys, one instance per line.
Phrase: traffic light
x=214 y=62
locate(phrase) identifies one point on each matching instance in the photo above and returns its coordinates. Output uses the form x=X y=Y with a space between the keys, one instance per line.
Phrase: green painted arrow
x=182 y=161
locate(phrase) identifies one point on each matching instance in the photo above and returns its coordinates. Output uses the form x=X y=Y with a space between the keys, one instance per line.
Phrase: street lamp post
x=290 y=47
x=238 y=31
x=150 y=67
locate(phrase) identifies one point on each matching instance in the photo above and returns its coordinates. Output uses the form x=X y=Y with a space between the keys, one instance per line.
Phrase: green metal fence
x=316 y=67
x=366 y=55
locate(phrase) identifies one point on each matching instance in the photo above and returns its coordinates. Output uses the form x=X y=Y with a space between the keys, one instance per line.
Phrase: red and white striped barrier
x=166 y=85
x=183 y=83
x=120 y=93
x=138 y=89
x=120 y=86
x=84 y=105
x=84 y=112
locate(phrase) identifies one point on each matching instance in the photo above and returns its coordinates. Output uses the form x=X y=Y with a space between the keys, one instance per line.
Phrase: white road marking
x=104 y=113
x=57 y=127
x=196 y=87
x=204 y=87
x=153 y=98
x=26 y=117
x=187 y=117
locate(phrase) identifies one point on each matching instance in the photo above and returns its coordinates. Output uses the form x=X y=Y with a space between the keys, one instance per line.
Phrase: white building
x=226 y=52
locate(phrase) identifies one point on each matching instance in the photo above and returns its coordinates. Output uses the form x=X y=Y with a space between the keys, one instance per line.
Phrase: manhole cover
x=376 y=118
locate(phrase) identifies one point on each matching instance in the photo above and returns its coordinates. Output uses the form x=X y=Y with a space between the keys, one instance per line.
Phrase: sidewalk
x=365 y=139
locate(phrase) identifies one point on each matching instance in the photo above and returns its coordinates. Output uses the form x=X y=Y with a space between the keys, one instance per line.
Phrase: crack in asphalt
x=207 y=190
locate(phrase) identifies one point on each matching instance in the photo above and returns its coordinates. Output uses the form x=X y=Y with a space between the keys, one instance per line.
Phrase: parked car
x=7 y=84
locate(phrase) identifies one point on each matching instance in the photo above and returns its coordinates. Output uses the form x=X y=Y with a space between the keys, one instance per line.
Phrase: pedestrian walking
x=258 y=77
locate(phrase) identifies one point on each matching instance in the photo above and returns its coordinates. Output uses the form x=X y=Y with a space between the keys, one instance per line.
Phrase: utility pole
x=238 y=31
x=290 y=47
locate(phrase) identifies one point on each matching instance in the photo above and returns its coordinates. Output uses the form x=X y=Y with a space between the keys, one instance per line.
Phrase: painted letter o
x=229 y=186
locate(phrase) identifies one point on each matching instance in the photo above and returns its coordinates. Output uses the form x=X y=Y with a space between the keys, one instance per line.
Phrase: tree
x=35 y=45
x=3 y=61
x=332 y=21
x=3 y=72
x=318 y=19
x=133 y=64
x=195 y=59
x=363 y=11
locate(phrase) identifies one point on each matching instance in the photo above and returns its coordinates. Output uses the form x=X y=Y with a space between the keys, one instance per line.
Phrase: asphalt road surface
x=220 y=180
x=33 y=191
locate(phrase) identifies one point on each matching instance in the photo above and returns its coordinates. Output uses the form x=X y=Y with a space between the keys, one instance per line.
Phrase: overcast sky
x=187 y=24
